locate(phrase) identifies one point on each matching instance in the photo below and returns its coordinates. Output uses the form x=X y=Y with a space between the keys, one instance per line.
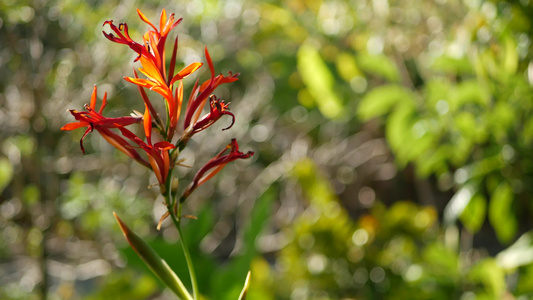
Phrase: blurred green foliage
x=392 y=144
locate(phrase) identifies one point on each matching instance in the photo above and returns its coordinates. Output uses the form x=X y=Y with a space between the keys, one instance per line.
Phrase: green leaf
x=319 y=81
x=451 y=65
x=473 y=215
x=435 y=90
x=490 y=275
x=444 y=262
x=502 y=118
x=244 y=291
x=525 y=281
x=6 y=173
x=379 y=65
x=226 y=282
x=400 y=134
x=381 y=100
x=501 y=216
x=433 y=162
x=510 y=59
x=347 y=66
x=468 y=92
x=158 y=265
x=31 y=194
x=527 y=133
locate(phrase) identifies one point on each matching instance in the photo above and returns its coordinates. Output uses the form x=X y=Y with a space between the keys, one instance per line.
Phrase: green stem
x=176 y=219
x=187 y=256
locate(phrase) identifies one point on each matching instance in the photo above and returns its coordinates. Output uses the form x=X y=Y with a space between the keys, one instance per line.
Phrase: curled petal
x=217 y=163
x=91 y=119
x=218 y=109
x=197 y=101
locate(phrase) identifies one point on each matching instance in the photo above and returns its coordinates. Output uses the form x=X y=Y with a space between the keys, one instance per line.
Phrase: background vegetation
x=393 y=151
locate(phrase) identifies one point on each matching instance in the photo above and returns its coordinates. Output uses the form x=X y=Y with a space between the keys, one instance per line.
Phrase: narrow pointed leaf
x=154 y=262
x=246 y=287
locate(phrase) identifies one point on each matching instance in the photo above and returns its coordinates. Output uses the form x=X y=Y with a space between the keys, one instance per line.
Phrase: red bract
x=217 y=109
x=124 y=38
x=217 y=163
x=94 y=120
x=151 y=54
x=153 y=41
x=157 y=153
x=152 y=58
x=199 y=95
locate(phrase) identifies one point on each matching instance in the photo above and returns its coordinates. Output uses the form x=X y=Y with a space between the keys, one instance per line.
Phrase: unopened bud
x=175 y=155
x=174 y=187
x=163 y=189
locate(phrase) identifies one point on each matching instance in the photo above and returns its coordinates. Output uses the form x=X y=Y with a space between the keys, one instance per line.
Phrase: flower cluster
x=162 y=156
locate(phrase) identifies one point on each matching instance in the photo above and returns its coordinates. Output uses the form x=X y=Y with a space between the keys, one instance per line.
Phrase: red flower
x=151 y=54
x=152 y=57
x=218 y=109
x=157 y=153
x=156 y=82
x=199 y=95
x=94 y=120
x=153 y=41
x=217 y=163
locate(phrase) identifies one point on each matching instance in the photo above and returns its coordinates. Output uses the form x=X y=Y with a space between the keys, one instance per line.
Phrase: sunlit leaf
x=319 y=81
x=490 y=275
x=432 y=162
x=501 y=118
x=379 y=65
x=524 y=285
x=6 y=173
x=501 y=214
x=31 y=194
x=443 y=261
x=244 y=291
x=435 y=90
x=474 y=213
x=527 y=133
x=381 y=100
x=452 y=65
x=347 y=66
x=510 y=59
x=468 y=92
x=400 y=134
x=470 y=127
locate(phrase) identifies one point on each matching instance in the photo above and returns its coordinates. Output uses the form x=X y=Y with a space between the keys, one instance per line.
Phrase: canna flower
x=158 y=155
x=217 y=163
x=123 y=37
x=151 y=54
x=217 y=110
x=94 y=120
x=153 y=41
x=200 y=94
x=156 y=81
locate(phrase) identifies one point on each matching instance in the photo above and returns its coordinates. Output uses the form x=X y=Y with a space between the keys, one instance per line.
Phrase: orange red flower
x=94 y=120
x=217 y=163
x=151 y=55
